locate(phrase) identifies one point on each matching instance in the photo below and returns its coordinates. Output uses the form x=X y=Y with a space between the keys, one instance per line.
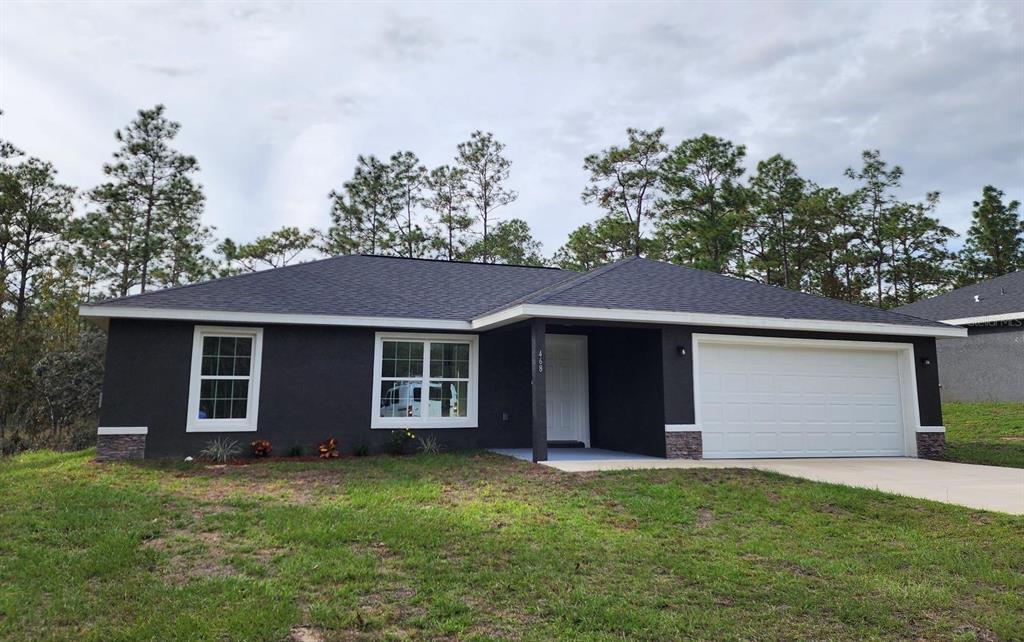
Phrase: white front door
x=764 y=399
x=567 y=388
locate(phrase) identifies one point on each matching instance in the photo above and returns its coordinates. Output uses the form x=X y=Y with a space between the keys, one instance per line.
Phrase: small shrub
x=429 y=445
x=362 y=450
x=295 y=450
x=261 y=448
x=329 y=448
x=221 y=450
x=400 y=440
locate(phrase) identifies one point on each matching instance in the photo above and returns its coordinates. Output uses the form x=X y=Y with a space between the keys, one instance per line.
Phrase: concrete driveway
x=986 y=487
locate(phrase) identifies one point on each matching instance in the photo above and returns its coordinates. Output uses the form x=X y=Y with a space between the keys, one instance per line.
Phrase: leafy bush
x=261 y=448
x=400 y=441
x=429 y=445
x=362 y=450
x=221 y=450
x=329 y=448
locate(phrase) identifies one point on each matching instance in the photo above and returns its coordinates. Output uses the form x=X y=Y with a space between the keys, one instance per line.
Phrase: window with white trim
x=224 y=387
x=424 y=381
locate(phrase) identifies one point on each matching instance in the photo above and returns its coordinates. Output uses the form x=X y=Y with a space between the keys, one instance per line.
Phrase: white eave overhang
x=992 y=318
x=100 y=314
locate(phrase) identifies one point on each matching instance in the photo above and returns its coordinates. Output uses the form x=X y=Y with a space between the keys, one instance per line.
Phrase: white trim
x=991 y=318
x=906 y=371
x=127 y=430
x=931 y=429
x=681 y=428
x=528 y=310
x=581 y=344
x=131 y=312
x=415 y=423
x=525 y=311
x=192 y=422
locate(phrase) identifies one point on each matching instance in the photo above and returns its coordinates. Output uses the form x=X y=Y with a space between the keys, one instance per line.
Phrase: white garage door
x=771 y=401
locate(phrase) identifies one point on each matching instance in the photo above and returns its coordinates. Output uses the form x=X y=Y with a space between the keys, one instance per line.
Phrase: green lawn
x=476 y=547
x=985 y=433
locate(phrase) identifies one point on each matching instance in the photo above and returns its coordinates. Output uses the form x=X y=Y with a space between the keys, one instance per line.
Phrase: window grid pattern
x=409 y=367
x=224 y=377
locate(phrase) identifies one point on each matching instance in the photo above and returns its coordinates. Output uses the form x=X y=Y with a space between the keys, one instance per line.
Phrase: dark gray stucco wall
x=315 y=383
x=678 y=371
x=986 y=366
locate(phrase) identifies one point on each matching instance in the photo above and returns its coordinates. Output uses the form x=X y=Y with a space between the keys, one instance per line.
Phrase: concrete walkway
x=985 y=487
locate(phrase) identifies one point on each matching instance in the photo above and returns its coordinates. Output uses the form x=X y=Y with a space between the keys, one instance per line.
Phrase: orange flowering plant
x=329 y=448
x=261 y=448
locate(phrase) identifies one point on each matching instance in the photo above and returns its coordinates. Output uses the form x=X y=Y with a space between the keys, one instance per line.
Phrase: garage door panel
x=781 y=401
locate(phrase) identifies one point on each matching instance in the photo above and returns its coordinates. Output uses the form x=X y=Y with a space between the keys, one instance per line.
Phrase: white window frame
x=392 y=423
x=194 y=423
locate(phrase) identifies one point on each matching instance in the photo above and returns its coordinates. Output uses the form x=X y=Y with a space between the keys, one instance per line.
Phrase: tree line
x=693 y=204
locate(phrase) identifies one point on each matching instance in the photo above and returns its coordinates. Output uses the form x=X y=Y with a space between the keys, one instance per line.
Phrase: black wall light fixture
x=681 y=351
x=926 y=361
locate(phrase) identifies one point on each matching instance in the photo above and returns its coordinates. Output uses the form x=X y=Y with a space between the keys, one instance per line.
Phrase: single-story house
x=989 y=364
x=637 y=356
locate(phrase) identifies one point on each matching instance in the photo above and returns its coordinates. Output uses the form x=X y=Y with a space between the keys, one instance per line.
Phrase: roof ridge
x=221 y=279
x=460 y=261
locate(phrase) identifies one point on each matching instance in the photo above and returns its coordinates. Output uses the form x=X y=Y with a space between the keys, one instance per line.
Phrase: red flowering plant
x=329 y=448
x=261 y=448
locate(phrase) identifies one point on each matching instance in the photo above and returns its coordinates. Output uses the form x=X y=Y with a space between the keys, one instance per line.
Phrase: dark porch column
x=539 y=391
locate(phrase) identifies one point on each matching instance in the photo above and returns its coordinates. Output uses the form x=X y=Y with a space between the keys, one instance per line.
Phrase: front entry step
x=566 y=444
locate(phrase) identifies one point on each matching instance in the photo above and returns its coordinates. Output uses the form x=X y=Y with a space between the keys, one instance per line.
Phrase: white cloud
x=276 y=100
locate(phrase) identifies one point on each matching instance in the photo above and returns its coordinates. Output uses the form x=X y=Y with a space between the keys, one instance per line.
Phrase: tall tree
x=185 y=238
x=833 y=261
x=41 y=208
x=624 y=182
x=608 y=239
x=877 y=206
x=277 y=249
x=410 y=178
x=918 y=247
x=364 y=211
x=701 y=216
x=995 y=240
x=774 y=226
x=511 y=243
x=447 y=187
x=485 y=170
x=146 y=181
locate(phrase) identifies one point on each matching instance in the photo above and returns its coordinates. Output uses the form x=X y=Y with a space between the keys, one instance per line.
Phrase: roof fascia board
x=525 y=311
x=100 y=312
x=991 y=318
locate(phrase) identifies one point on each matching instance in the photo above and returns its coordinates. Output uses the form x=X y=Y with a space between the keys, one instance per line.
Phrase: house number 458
x=540 y=361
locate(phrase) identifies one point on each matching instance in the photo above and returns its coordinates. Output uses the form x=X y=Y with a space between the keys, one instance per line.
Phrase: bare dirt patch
x=705 y=518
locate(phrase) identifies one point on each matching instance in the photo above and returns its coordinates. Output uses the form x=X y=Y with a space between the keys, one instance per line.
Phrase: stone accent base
x=684 y=445
x=115 y=447
x=931 y=445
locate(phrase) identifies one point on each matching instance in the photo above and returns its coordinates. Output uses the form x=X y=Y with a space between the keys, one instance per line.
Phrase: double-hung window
x=424 y=381
x=224 y=388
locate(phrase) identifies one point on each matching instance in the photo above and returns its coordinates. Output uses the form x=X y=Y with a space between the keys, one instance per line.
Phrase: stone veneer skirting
x=931 y=445
x=114 y=444
x=685 y=444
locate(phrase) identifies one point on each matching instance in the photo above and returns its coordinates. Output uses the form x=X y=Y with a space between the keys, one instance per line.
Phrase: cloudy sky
x=276 y=100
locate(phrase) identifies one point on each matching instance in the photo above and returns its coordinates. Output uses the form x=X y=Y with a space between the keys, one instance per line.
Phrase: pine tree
x=995 y=240
x=364 y=211
x=447 y=187
x=701 y=216
x=624 y=182
x=410 y=178
x=774 y=225
x=511 y=243
x=919 y=254
x=485 y=170
x=277 y=249
x=148 y=182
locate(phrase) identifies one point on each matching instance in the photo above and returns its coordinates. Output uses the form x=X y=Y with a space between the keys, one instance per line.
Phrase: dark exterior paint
x=986 y=366
x=316 y=382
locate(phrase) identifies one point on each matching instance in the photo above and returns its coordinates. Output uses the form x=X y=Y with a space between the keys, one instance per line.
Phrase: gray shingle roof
x=377 y=286
x=642 y=284
x=1001 y=295
x=356 y=285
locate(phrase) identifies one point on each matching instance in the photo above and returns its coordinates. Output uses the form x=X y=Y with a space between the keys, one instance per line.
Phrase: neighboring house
x=638 y=356
x=989 y=364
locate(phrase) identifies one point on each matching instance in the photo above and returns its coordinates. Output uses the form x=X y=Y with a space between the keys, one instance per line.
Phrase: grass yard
x=479 y=547
x=985 y=433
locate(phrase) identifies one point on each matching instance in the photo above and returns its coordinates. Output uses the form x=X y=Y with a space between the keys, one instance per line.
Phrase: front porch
x=592 y=455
